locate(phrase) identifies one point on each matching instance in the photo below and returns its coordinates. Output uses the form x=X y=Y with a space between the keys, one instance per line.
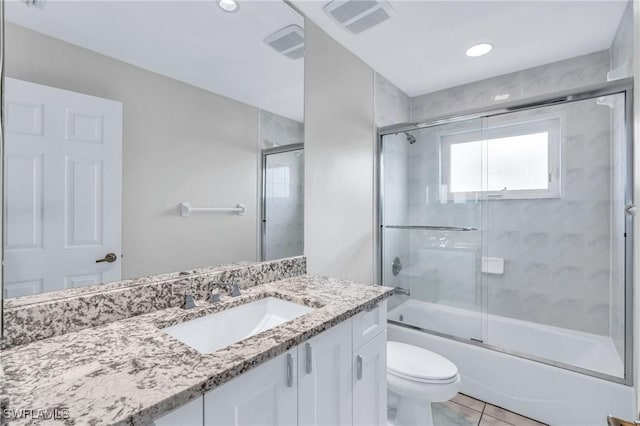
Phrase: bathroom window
x=278 y=182
x=514 y=161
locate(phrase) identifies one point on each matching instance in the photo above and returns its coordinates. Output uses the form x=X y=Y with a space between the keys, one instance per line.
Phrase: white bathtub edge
x=542 y=392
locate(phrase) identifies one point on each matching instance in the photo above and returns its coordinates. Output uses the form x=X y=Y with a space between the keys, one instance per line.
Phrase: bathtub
x=547 y=393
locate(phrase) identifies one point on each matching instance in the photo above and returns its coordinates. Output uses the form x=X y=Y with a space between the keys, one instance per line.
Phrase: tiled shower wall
x=563 y=75
x=557 y=251
x=621 y=51
x=286 y=214
x=276 y=130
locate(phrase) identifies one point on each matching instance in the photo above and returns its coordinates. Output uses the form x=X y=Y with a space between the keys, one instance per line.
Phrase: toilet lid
x=419 y=364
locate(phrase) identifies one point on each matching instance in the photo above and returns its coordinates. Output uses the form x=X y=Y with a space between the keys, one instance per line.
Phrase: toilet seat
x=419 y=365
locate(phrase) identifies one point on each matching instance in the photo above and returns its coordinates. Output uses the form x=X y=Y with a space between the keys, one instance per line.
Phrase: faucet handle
x=232 y=289
x=188 y=302
x=235 y=290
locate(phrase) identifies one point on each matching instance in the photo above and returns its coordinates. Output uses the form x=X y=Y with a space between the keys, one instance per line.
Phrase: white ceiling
x=191 y=41
x=421 y=49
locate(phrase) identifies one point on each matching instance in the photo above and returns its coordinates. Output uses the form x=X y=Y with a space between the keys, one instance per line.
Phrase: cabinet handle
x=359 y=367
x=289 y=370
x=309 y=358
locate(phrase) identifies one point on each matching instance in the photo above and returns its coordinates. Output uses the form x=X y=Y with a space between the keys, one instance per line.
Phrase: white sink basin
x=216 y=331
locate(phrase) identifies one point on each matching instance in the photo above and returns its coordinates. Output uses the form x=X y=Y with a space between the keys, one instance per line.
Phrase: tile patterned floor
x=463 y=410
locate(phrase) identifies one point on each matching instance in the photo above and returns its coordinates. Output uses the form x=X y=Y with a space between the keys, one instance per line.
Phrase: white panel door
x=265 y=396
x=370 y=383
x=324 y=378
x=63 y=186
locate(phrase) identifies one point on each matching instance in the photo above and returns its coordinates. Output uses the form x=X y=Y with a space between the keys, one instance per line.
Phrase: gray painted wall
x=339 y=157
x=181 y=143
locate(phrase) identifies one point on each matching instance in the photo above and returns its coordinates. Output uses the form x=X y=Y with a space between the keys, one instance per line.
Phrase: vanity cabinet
x=190 y=414
x=266 y=395
x=335 y=378
x=324 y=378
x=370 y=382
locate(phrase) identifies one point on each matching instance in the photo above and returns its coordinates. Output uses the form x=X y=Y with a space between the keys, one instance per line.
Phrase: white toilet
x=417 y=377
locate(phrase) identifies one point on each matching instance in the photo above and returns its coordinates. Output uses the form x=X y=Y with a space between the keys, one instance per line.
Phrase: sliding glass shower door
x=282 y=202
x=558 y=232
x=513 y=230
x=432 y=230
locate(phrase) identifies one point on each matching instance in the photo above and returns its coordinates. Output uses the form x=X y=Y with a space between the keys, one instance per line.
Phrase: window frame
x=271 y=186
x=554 y=125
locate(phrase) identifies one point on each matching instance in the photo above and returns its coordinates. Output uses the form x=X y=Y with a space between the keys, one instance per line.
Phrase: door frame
x=263 y=189
x=2 y=112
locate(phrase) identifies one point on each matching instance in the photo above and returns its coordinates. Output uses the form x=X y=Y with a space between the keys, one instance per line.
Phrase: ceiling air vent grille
x=289 y=41
x=358 y=15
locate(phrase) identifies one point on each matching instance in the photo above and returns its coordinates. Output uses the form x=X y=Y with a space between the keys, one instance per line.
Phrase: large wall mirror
x=124 y=118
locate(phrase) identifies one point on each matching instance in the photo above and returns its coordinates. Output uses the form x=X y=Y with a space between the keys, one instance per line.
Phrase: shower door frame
x=263 y=190
x=622 y=86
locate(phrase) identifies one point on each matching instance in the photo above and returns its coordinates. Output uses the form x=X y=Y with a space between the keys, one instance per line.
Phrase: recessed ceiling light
x=228 y=5
x=479 y=49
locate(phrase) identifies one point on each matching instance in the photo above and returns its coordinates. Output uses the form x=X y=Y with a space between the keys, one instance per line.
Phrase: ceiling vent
x=289 y=41
x=358 y=15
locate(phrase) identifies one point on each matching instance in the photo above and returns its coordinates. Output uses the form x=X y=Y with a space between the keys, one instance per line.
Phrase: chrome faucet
x=232 y=289
x=188 y=302
x=400 y=290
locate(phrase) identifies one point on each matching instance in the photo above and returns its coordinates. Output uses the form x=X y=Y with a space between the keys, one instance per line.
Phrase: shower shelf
x=432 y=228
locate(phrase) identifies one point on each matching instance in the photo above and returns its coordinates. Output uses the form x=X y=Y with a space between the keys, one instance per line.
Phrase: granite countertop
x=129 y=372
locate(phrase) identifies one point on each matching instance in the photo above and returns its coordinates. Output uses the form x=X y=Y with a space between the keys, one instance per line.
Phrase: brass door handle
x=614 y=421
x=110 y=258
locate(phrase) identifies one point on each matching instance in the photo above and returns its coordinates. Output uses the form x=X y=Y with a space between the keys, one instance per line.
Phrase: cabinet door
x=266 y=396
x=324 y=378
x=370 y=382
x=190 y=414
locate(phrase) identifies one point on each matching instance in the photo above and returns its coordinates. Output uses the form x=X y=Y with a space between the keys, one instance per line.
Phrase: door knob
x=614 y=421
x=110 y=258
